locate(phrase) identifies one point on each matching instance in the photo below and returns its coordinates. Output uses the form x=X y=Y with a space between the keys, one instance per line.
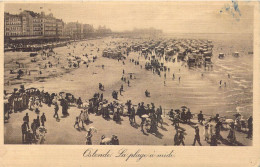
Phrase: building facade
x=77 y=30
x=29 y=23
x=59 y=27
x=13 y=25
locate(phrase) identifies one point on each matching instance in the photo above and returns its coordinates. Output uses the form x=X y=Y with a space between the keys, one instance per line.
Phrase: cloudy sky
x=171 y=17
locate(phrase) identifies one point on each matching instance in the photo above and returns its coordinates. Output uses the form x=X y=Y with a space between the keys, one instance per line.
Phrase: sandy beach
x=193 y=90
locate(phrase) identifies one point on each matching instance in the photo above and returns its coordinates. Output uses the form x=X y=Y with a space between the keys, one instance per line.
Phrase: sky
x=171 y=17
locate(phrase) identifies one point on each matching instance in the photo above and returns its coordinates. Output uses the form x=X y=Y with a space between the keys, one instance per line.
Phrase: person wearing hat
x=29 y=137
x=231 y=135
x=102 y=138
x=101 y=96
x=114 y=140
x=188 y=115
x=88 y=137
x=181 y=138
x=197 y=136
x=200 y=118
x=250 y=127
x=158 y=114
x=213 y=141
x=153 y=127
x=43 y=119
x=206 y=132
x=121 y=90
x=30 y=102
x=81 y=118
x=142 y=124
x=130 y=117
x=79 y=102
x=42 y=132
x=148 y=109
x=34 y=128
x=171 y=114
x=176 y=119
x=183 y=116
x=56 y=109
x=26 y=120
x=25 y=129
x=76 y=122
x=176 y=138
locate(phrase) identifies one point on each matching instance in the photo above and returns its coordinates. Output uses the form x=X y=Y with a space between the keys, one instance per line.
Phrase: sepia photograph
x=128 y=73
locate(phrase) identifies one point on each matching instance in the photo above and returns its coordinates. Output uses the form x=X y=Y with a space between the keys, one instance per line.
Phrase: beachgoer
x=197 y=136
x=200 y=118
x=43 y=119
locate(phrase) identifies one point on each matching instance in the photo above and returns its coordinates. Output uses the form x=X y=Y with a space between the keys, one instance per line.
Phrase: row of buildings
x=31 y=24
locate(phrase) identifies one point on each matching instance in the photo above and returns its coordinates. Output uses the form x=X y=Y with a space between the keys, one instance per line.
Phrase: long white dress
x=206 y=133
x=210 y=131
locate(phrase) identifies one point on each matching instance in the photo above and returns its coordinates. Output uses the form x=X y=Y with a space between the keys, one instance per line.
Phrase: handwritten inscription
x=126 y=154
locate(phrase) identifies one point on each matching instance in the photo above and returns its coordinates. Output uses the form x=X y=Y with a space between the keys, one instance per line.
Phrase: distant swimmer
x=173 y=76
x=220 y=83
x=225 y=84
x=179 y=79
x=228 y=75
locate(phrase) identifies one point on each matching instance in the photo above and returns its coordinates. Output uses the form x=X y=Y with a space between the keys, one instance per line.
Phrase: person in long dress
x=81 y=118
x=231 y=135
x=88 y=138
x=206 y=132
x=210 y=131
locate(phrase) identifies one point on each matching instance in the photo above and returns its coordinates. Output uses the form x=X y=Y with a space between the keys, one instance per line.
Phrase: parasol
x=229 y=121
x=183 y=107
x=92 y=129
x=106 y=140
x=145 y=116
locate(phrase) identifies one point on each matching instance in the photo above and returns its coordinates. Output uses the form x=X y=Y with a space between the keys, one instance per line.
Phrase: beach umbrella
x=145 y=116
x=183 y=107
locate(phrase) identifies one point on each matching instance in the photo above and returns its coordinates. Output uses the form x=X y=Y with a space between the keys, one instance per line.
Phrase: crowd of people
x=150 y=116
